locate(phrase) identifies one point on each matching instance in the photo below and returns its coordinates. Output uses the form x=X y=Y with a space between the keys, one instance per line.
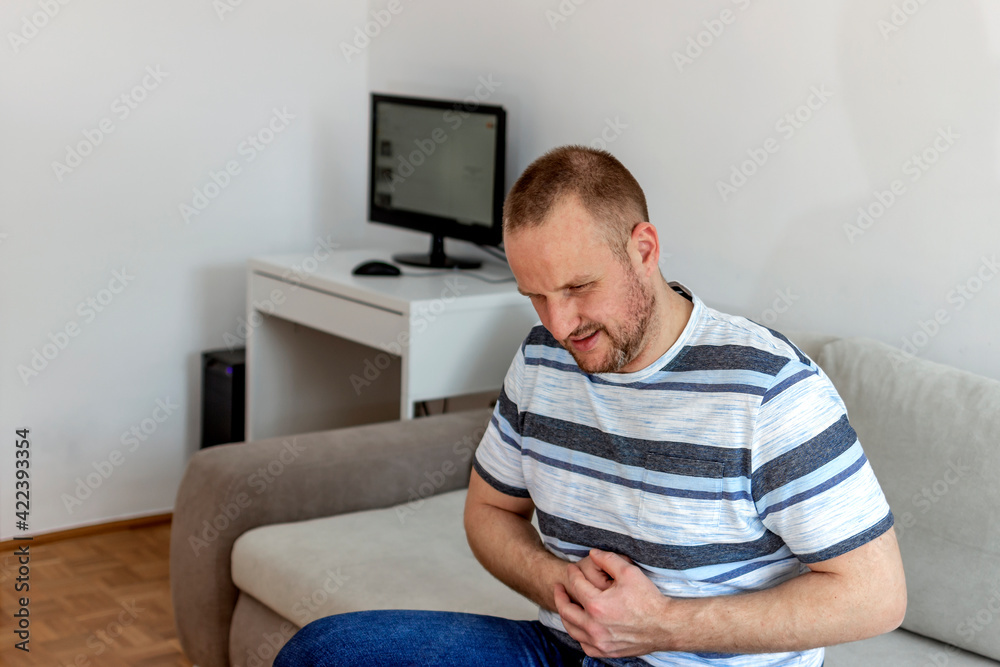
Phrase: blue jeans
x=420 y=638
x=433 y=638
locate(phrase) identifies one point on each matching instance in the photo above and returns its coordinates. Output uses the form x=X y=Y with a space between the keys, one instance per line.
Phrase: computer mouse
x=376 y=268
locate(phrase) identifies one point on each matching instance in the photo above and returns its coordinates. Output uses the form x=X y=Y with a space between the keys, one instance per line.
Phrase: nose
x=560 y=317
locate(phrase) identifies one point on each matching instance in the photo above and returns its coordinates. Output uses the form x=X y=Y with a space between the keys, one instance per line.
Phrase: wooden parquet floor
x=95 y=600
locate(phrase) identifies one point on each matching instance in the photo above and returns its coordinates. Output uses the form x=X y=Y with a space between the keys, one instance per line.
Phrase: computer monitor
x=437 y=166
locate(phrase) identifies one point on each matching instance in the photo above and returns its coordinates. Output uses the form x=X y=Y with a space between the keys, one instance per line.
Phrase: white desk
x=327 y=348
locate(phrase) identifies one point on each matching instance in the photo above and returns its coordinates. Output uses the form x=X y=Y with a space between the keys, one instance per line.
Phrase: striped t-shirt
x=725 y=466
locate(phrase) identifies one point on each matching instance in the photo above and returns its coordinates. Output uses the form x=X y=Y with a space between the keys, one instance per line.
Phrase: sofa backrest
x=932 y=435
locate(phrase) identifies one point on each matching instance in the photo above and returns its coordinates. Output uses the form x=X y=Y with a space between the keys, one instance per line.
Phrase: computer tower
x=223 y=396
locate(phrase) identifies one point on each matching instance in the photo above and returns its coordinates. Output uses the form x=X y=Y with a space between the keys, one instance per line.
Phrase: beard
x=625 y=341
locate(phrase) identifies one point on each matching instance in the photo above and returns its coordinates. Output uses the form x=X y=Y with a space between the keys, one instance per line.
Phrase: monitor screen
x=438 y=166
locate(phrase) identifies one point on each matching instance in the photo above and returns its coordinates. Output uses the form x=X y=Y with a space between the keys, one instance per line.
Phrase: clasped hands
x=611 y=607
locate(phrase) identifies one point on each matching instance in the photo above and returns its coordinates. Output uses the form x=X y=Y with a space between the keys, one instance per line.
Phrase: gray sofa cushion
x=900 y=647
x=354 y=562
x=224 y=494
x=932 y=435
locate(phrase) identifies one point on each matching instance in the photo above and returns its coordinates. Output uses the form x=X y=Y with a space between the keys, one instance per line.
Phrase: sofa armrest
x=230 y=489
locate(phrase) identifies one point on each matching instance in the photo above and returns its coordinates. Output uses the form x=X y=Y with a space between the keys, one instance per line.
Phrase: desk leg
x=405 y=402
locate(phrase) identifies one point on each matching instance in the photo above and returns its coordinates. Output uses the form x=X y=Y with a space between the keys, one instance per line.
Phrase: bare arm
x=500 y=533
x=856 y=595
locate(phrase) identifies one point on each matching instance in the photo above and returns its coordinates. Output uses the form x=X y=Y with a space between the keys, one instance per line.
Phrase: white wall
x=562 y=82
x=783 y=230
x=63 y=239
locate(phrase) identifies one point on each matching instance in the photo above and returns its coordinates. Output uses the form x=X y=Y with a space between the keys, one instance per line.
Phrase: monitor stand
x=436 y=259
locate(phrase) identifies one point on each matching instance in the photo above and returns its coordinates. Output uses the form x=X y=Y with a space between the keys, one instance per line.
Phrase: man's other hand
x=593 y=573
x=611 y=607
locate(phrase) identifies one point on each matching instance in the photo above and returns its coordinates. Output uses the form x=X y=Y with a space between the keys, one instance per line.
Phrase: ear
x=646 y=248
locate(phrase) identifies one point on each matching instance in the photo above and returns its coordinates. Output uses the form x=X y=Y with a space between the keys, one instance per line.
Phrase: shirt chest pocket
x=681 y=501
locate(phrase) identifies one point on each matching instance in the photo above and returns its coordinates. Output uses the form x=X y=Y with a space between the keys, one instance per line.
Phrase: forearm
x=509 y=547
x=799 y=614
x=855 y=595
x=815 y=609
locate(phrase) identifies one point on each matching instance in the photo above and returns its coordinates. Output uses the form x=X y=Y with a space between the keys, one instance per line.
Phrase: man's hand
x=593 y=573
x=611 y=607
x=850 y=597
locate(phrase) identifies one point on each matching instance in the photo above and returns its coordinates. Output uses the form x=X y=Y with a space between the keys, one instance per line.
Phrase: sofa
x=270 y=535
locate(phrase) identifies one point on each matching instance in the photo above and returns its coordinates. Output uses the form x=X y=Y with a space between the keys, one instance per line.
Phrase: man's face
x=598 y=308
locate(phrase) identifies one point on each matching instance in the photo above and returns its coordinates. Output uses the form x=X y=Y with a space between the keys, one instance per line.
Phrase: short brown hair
x=605 y=188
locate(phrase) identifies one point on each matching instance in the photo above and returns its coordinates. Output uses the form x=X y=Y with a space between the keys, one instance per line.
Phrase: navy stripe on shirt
x=659 y=555
x=811 y=455
x=497 y=484
x=780 y=336
x=509 y=411
x=726 y=358
x=862 y=538
x=634 y=451
x=776 y=390
x=685 y=468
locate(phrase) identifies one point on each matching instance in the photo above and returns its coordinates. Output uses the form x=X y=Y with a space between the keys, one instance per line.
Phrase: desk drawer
x=326 y=312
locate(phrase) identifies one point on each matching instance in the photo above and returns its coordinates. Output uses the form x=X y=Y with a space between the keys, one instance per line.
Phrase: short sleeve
x=498 y=458
x=812 y=484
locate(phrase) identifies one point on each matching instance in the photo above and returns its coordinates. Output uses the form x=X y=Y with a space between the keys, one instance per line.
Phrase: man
x=701 y=496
